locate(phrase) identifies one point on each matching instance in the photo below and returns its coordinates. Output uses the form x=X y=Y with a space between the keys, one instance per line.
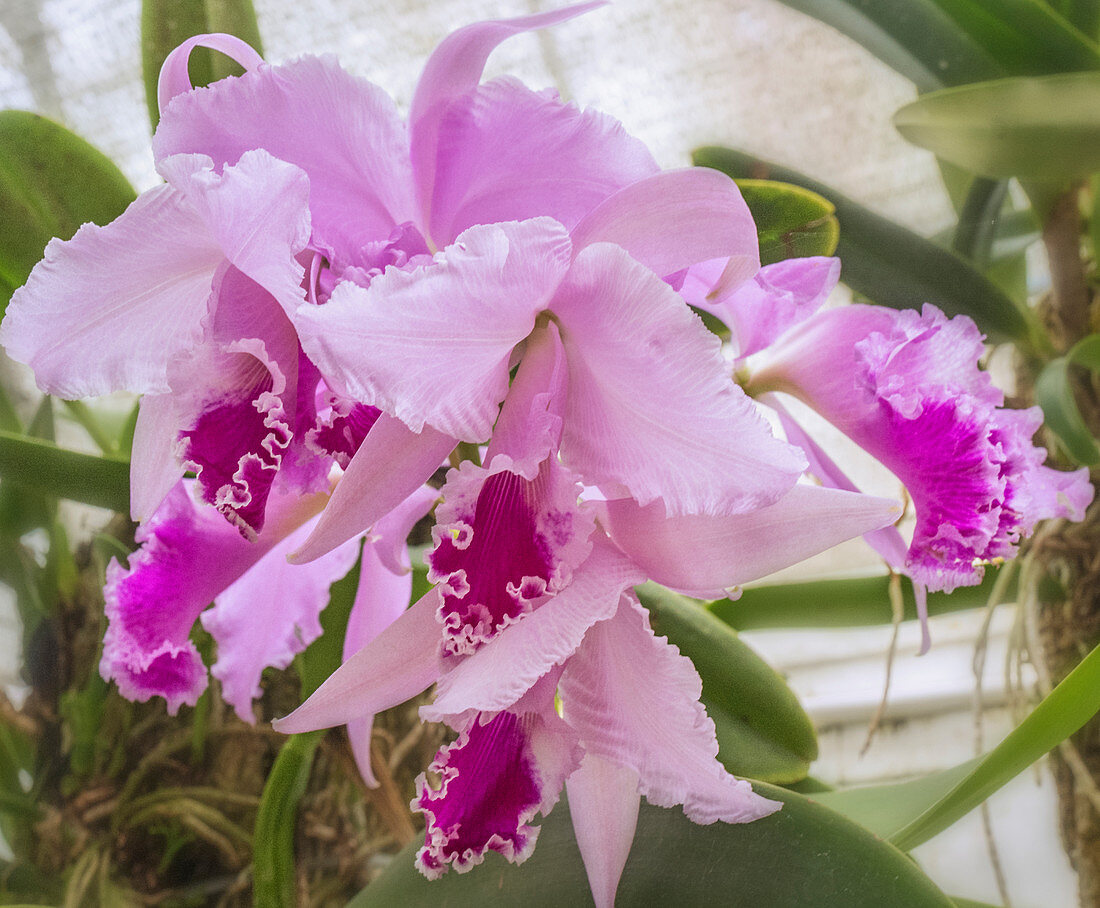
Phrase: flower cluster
x=324 y=303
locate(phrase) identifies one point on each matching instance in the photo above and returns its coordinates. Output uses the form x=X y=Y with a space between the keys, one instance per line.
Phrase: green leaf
x=802 y=855
x=888 y=264
x=51 y=182
x=1054 y=393
x=1037 y=129
x=914 y=37
x=977 y=227
x=165 y=24
x=273 y=867
x=911 y=813
x=791 y=221
x=847 y=602
x=762 y=729
x=37 y=464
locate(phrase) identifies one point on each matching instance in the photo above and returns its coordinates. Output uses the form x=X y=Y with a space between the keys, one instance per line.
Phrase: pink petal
x=676 y=219
x=145 y=275
x=603 y=804
x=399 y=663
x=391 y=463
x=256 y=210
x=706 y=556
x=455 y=68
x=651 y=410
x=188 y=556
x=777 y=298
x=174 y=78
x=269 y=615
x=501 y=771
x=508 y=153
x=634 y=700
x=344 y=132
x=154 y=468
x=385 y=585
x=503 y=670
x=432 y=346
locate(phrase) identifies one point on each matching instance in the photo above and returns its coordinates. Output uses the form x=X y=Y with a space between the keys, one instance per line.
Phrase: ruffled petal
x=391 y=463
x=651 y=410
x=503 y=670
x=258 y=213
x=269 y=615
x=188 y=556
x=501 y=771
x=676 y=219
x=399 y=663
x=432 y=346
x=507 y=153
x=107 y=310
x=154 y=467
x=634 y=700
x=344 y=132
x=706 y=556
x=603 y=804
x=455 y=68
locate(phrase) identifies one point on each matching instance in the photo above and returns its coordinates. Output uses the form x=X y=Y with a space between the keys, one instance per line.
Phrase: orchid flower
x=533 y=600
x=906 y=387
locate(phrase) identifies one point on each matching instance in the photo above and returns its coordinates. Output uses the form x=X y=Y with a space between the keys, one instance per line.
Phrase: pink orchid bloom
x=906 y=387
x=532 y=600
x=190 y=557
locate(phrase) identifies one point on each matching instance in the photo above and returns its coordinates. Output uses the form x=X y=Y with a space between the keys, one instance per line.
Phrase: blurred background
x=750 y=74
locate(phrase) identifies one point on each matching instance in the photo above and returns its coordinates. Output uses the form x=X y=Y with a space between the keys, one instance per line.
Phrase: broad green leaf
x=1054 y=393
x=1084 y=15
x=165 y=24
x=888 y=264
x=36 y=464
x=762 y=729
x=914 y=37
x=803 y=855
x=51 y=182
x=1038 y=129
x=911 y=813
x=325 y=654
x=977 y=227
x=273 y=866
x=22 y=508
x=847 y=602
x=791 y=221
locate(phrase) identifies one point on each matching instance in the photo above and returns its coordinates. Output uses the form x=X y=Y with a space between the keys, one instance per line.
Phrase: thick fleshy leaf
x=763 y=732
x=1043 y=129
x=504 y=669
x=391 y=464
x=651 y=411
x=398 y=664
x=51 y=182
x=165 y=24
x=676 y=219
x=605 y=816
x=887 y=263
x=793 y=222
x=1054 y=393
x=802 y=855
x=453 y=70
x=507 y=153
x=850 y=602
x=344 y=132
x=432 y=346
x=703 y=556
x=634 y=700
x=933 y=806
x=37 y=464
